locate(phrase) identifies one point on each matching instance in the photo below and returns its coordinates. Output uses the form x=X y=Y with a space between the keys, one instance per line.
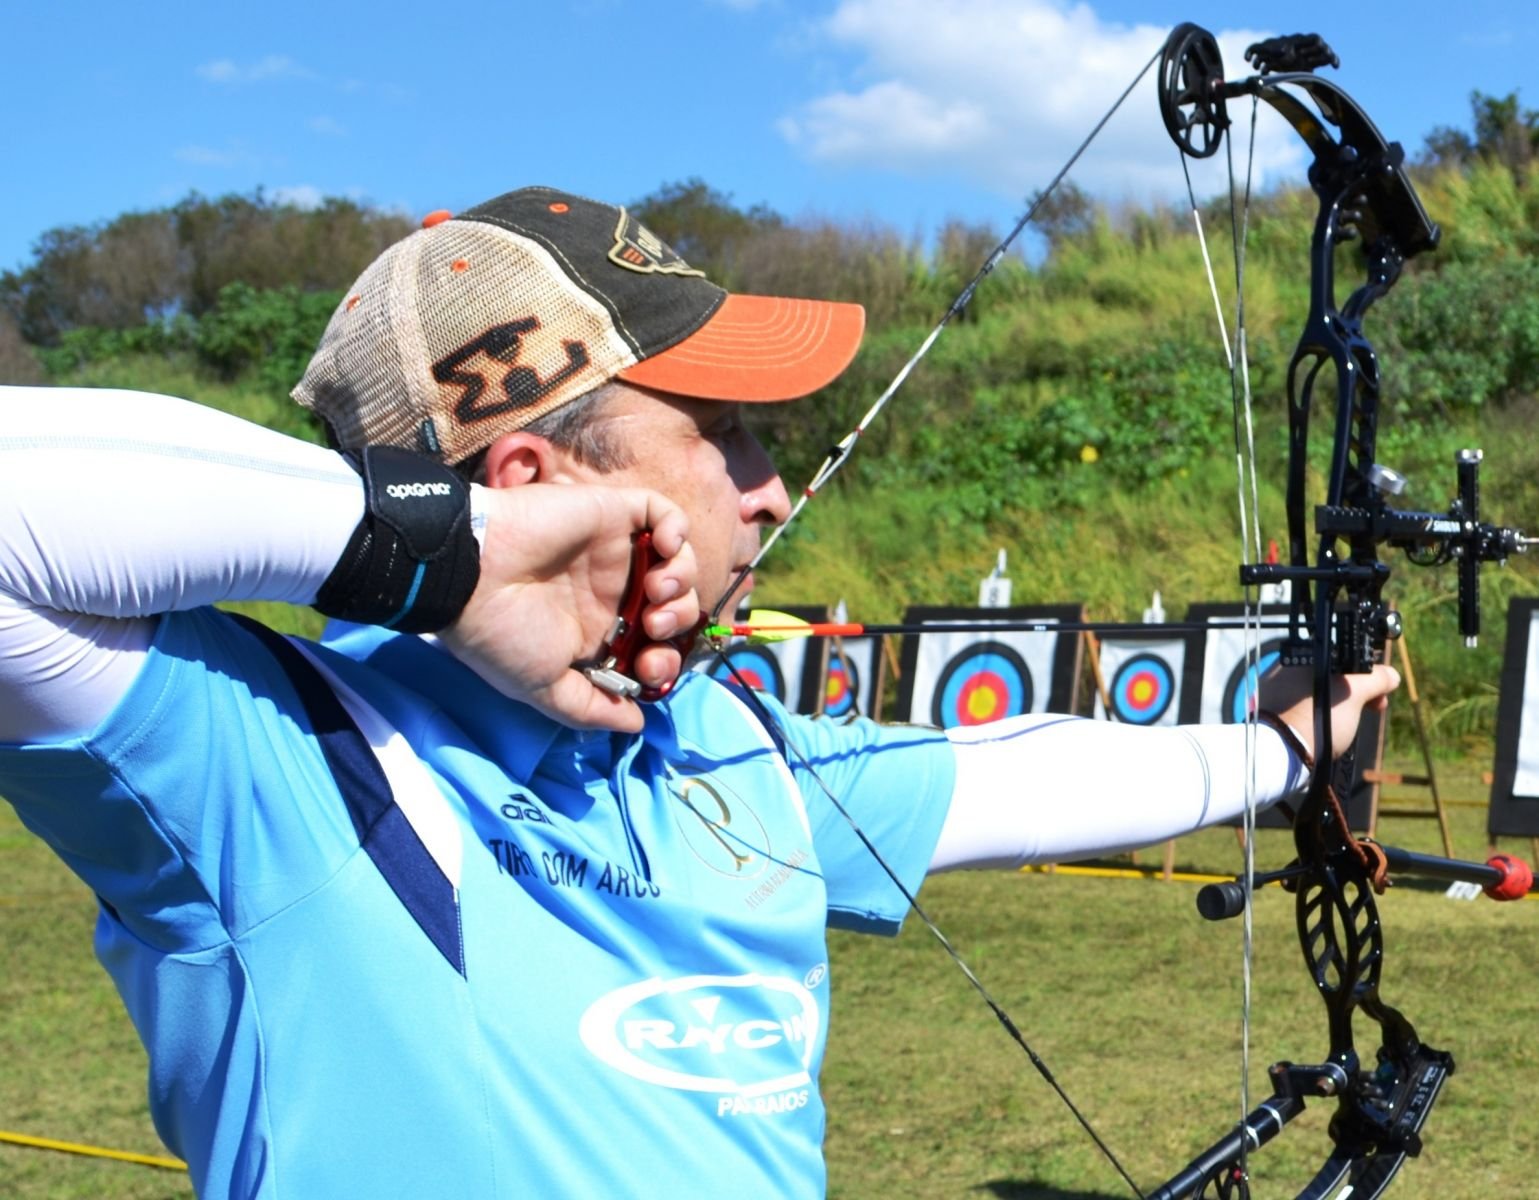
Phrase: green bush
x=269 y=332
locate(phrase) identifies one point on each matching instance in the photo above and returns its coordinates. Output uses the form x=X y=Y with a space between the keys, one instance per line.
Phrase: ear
x=518 y=458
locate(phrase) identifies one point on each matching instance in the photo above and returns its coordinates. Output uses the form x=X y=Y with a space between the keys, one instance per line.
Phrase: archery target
x=982 y=683
x=1228 y=682
x=791 y=671
x=1526 y=777
x=1144 y=676
x=1514 y=807
x=1141 y=691
x=841 y=687
x=1244 y=681
x=953 y=677
x=756 y=666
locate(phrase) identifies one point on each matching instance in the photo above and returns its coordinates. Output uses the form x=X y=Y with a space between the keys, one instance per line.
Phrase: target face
x=1241 y=687
x=755 y=666
x=1142 y=689
x=984 y=682
x=841 y=687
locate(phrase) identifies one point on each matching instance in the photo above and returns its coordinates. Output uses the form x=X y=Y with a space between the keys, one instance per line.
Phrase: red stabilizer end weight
x=1516 y=878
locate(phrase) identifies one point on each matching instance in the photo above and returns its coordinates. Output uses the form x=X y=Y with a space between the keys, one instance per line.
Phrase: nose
x=766 y=501
x=767 y=504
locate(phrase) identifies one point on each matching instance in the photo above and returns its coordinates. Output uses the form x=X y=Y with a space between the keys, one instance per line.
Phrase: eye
x=728 y=424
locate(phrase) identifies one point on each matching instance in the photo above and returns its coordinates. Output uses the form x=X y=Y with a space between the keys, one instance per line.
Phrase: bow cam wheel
x=1191 y=90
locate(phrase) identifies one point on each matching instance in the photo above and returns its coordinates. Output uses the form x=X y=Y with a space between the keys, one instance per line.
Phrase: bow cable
x=830 y=466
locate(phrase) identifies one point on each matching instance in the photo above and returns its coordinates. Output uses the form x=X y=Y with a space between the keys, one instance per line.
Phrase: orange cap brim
x=758 y=349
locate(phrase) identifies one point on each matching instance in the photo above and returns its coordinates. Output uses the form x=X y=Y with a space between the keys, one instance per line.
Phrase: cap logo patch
x=637 y=248
x=520 y=384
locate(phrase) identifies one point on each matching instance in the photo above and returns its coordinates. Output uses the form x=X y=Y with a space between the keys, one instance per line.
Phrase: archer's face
x=699 y=454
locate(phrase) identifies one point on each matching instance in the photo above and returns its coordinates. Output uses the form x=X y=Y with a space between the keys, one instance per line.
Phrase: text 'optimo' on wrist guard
x=413 y=561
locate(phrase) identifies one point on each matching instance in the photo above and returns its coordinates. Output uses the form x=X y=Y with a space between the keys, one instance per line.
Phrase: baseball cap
x=477 y=324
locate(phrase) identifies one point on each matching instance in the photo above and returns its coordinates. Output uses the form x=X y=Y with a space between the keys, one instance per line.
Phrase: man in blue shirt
x=433 y=908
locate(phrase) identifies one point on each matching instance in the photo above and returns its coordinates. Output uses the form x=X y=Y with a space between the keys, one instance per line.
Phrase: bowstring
x=831 y=464
x=1253 y=617
x=841 y=450
x=1237 y=360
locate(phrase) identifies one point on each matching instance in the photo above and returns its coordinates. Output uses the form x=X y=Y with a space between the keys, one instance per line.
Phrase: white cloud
x=326 y=126
x=1002 y=91
x=272 y=66
x=300 y=195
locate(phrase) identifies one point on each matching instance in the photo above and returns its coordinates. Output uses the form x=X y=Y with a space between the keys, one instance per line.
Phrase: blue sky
x=906 y=112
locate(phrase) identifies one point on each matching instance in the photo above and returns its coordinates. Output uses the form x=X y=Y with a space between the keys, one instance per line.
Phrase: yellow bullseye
x=982 y=703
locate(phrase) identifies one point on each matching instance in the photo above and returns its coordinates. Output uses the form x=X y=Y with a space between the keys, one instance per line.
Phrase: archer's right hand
x=555 y=561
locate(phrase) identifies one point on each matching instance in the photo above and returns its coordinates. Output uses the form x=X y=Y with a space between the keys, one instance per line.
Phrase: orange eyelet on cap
x=559 y=207
x=437 y=217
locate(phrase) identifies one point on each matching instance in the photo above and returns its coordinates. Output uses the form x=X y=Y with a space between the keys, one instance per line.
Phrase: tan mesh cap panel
x=455 y=336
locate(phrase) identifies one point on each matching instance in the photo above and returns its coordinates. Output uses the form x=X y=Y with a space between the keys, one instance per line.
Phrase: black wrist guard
x=413 y=561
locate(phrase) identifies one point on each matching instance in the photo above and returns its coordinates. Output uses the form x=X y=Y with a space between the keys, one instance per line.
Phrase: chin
x=729 y=606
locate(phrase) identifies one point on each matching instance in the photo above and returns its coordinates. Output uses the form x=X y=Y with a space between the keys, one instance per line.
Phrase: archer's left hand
x=1289 y=692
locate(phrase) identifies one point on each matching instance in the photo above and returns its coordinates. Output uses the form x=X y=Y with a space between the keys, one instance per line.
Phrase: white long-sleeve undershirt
x=1046 y=788
x=116 y=506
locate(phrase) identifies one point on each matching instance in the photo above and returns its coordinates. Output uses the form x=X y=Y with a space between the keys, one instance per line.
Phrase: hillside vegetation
x=1078 y=414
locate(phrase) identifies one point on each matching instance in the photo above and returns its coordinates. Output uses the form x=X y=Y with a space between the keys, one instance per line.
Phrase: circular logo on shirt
x=749 y=1035
x=719 y=826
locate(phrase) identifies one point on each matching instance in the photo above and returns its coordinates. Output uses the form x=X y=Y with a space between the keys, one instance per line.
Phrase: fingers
x=666 y=520
x=575 y=702
x=670 y=588
x=658 y=665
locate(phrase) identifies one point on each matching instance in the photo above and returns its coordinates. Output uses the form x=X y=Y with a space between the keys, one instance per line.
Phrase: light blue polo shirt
x=387 y=933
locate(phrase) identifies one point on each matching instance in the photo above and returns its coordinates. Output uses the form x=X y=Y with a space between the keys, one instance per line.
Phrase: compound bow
x=1339 y=621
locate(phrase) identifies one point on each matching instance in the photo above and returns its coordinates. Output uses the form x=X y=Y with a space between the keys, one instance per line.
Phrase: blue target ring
x=983 y=683
x=754 y=666
x=1142 y=689
x=1240 y=691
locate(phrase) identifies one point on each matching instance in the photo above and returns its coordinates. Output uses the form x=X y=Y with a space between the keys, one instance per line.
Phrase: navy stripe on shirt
x=383 y=830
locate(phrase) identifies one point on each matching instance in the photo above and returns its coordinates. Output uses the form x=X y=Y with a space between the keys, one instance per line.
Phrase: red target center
x=982 y=699
x=1143 y=690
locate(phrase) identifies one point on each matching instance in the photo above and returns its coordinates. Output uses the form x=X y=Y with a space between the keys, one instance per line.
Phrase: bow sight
x=1338 y=621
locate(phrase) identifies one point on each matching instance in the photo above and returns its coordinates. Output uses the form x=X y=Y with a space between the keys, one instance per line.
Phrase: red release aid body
x=630 y=637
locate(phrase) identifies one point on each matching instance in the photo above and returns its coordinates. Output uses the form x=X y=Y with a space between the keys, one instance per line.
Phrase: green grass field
x=1131 y=998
